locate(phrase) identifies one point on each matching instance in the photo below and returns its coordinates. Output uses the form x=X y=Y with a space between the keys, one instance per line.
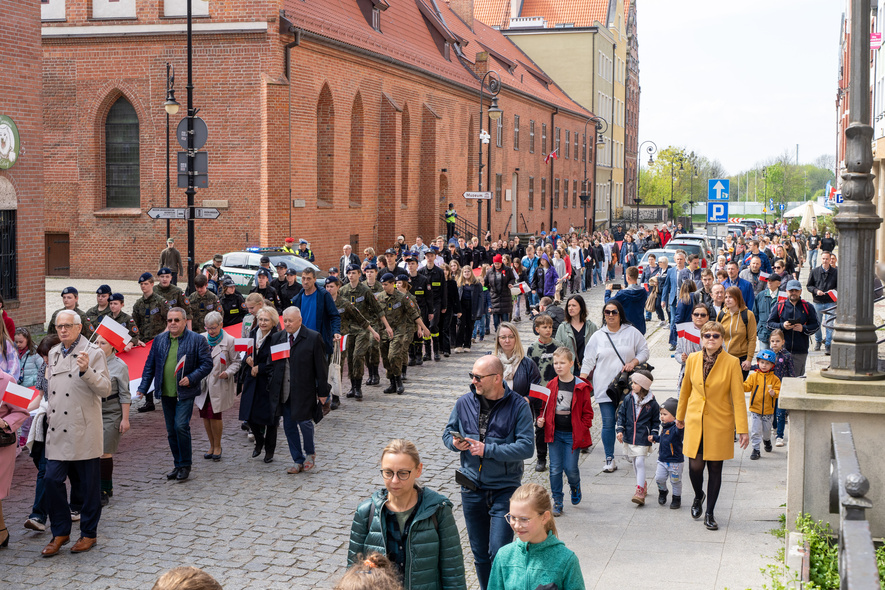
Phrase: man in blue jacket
x=746 y=287
x=178 y=361
x=670 y=285
x=492 y=429
x=632 y=299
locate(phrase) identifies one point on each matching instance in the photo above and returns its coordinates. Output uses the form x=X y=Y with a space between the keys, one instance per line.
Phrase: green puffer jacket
x=526 y=566
x=433 y=551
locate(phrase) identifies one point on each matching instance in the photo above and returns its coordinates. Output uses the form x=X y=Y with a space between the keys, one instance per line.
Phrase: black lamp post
x=191 y=151
x=694 y=174
x=764 y=198
x=171 y=107
x=680 y=158
x=601 y=127
x=652 y=150
x=494 y=83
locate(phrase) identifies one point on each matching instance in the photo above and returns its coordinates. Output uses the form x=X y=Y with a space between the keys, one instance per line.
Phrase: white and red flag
x=763 y=276
x=688 y=331
x=16 y=395
x=834 y=295
x=539 y=392
x=343 y=343
x=114 y=333
x=279 y=351
x=554 y=155
x=244 y=345
x=180 y=364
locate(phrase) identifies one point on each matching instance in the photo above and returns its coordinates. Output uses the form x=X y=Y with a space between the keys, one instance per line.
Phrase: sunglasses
x=700 y=315
x=712 y=335
x=611 y=312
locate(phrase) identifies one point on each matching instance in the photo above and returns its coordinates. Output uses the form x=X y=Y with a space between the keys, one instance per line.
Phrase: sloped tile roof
x=495 y=13
x=583 y=13
x=406 y=37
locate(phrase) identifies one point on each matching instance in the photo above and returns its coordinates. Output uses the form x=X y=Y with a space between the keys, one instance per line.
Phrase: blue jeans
x=818 y=336
x=38 y=512
x=597 y=275
x=487 y=529
x=563 y=458
x=672 y=325
x=291 y=428
x=812 y=257
x=479 y=329
x=500 y=317
x=780 y=420
x=178 y=428
x=607 y=409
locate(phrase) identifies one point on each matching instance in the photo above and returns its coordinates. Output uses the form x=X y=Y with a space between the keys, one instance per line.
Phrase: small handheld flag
x=16 y=395
x=244 y=345
x=279 y=351
x=834 y=295
x=180 y=365
x=343 y=343
x=114 y=333
x=688 y=331
x=539 y=392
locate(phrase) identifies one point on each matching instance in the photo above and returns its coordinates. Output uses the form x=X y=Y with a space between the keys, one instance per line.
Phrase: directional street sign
x=478 y=195
x=717 y=189
x=783 y=206
x=839 y=199
x=771 y=203
x=717 y=212
x=205 y=213
x=166 y=213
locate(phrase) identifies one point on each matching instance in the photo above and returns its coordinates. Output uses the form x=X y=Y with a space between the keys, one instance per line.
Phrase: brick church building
x=336 y=121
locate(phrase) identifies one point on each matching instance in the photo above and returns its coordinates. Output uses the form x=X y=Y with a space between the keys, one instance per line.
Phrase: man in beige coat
x=78 y=380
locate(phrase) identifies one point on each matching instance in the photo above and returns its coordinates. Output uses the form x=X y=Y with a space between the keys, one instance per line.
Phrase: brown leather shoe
x=54 y=545
x=83 y=544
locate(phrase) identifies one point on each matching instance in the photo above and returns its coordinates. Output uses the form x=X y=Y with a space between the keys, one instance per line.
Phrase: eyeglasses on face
x=700 y=315
x=611 y=312
x=174 y=320
x=402 y=474
x=63 y=326
x=712 y=335
x=475 y=377
x=517 y=520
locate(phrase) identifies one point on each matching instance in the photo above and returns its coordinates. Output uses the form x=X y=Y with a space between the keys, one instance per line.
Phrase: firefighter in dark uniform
x=362 y=298
x=280 y=279
x=172 y=294
x=233 y=305
x=100 y=309
x=373 y=358
x=265 y=290
x=353 y=324
x=289 y=289
x=404 y=286
x=402 y=314
x=115 y=303
x=203 y=302
x=149 y=313
x=421 y=292
x=69 y=298
x=436 y=301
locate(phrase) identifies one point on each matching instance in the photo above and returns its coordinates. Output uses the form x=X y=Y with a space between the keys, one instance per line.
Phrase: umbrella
x=815 y=210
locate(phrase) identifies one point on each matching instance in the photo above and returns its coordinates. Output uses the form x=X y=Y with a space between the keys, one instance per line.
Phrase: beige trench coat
x=75 y=431
x=222 y=392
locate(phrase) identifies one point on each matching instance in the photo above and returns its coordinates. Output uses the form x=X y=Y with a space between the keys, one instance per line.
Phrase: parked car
x=739 y=229
x=690 y=247
x=241 y=265
x=700 y=239
x=758 y=222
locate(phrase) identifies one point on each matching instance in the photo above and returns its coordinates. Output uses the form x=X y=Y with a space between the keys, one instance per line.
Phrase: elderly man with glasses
x=178 y=361
x=491 y=426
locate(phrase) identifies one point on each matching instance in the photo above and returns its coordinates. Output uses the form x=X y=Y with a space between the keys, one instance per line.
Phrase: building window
x=558 y=142
x=575 y=194
x=499 y=141
x=556 y=193
x=568 y=142
x=543 y=193
x=531 y=193
x=543 y=139
x=498 y=179
x=584 y=149
x=531 y=137
x=576 y=145
x=122 y=174
x=565 y=193
x=516 y=132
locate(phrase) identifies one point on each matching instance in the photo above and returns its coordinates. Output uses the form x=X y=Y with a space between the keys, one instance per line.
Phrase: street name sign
x=478 y=195
x=717 y=189
x=206 y=213
x=717 y=212
x=167 y=213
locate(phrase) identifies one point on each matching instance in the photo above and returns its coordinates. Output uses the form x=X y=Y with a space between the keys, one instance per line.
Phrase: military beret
x=371 y=266
x=70 y=291
x=164 y=271
x=145 y=277
x=387 y=278
x=351 y=267
x=103 y=290
x=333 y=279
x=290 y=240
x=405 y=279
x=116 y=297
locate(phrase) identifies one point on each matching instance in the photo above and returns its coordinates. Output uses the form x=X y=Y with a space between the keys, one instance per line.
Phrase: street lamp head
x=171 y=105
x=600 y=140
x=651 y=161
x=495 y=112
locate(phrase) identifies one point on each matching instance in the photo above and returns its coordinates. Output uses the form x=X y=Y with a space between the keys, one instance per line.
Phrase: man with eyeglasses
x=178 y=361
x=491 y=426
x=78 y=380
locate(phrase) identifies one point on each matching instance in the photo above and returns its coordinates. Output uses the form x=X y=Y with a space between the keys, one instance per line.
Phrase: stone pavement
x=253 y=526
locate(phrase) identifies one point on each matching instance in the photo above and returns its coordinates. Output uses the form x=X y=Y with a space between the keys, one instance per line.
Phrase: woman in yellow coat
x=712 y=407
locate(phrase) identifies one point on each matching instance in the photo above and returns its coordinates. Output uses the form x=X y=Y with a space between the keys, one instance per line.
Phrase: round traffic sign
x=201 y=133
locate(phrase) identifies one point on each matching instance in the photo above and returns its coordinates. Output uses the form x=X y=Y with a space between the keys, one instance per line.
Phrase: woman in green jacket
x=537 y=559
x=575 y=331
x=413 y=526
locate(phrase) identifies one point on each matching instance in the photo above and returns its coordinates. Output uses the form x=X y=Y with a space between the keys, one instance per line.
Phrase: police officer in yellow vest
x=451 y=216
x=290 y=242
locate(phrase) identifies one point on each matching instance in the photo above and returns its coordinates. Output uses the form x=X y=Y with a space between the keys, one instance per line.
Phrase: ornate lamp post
x=494 y=84
x=694 y=174
x=681 y=159
x=764 y=198
x=651 y=150
x=601 y=127
x=171 y=107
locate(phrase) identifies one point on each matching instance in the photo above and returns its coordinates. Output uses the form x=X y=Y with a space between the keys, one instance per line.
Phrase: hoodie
x=548 y=564
x=633 y=299
x=758 y=383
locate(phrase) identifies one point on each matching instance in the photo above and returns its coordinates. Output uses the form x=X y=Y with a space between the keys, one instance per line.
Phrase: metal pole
x=489 y=181
x=854 y=351
x=191 y=191
x=479 y=203
x=168 y=185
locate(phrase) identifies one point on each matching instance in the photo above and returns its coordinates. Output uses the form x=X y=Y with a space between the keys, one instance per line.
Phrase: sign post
x=717 y=200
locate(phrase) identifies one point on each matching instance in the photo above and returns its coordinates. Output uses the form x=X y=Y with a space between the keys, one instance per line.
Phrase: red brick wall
x=21 y=100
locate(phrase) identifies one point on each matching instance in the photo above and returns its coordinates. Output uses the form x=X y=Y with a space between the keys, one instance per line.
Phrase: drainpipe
x=552 y=162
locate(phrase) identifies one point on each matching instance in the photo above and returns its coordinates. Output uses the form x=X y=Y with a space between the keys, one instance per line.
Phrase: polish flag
x=688 y=331
x=539 y=392
x=223 y=361
x=763 y=276
x=524 y=288
x=342 y=344
x=244 y=345
x=180 y=364
x=279 y=351
x=16 y=395
x=782 y=296
x=552 y=155
x=114 y=333
x=645 y=286
x=833 y=295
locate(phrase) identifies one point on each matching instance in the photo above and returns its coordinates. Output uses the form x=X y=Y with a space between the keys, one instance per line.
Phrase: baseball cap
x=263 y=272
x=794 y=285
x=116 y=297
x=281 y=264
x=103 y=290
x=333 y=269
x=218 y=257
x=228 y=282
x=265 y=259
x=291 y=272
x=70 y=291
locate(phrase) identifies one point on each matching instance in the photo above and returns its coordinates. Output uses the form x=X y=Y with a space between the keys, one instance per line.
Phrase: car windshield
x=296 y=262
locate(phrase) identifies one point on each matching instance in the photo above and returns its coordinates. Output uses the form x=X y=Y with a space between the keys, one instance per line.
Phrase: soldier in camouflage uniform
x=353 y=324
x=373 y=357
x=101 y=309
x=203 y=302
x=402 y=314
x=171 y=294
x=149 y=313
x=115 y=305
x=69 y=298
x=361 y=297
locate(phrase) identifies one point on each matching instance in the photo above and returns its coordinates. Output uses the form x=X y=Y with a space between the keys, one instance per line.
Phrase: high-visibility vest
x=450 y=216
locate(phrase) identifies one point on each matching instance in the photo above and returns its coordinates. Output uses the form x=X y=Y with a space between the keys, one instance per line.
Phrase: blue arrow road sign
x=717 y=212
x=783 y=206
x=717 y=189
x=771 y=203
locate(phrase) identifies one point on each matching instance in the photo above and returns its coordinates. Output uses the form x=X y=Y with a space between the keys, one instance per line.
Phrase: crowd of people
x=735 y=328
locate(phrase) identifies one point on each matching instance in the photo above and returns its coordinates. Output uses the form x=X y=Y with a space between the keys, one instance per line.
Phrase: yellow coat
x=712 y=409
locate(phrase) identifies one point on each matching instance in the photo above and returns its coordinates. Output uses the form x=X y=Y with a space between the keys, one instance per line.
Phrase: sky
x=739 y=82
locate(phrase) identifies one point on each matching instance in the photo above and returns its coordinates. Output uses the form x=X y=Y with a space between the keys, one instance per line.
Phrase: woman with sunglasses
x=688 y=343
x=712 y=407
x=614 y=348
x=740 y=328
x=412 y=525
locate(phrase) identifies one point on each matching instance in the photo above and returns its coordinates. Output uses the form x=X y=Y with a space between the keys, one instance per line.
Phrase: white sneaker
x=75 y=516
x=251 y=437
x=610 y=466
x=35 y=525
x=779 y=442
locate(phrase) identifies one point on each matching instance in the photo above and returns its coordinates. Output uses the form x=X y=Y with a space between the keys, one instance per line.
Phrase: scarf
x=215 y=340
x=259 y=339
x=510 y=365
x=709 y=361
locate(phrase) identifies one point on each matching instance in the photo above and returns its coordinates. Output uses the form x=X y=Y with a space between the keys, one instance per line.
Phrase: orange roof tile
x=583 y=13
x=495 y=13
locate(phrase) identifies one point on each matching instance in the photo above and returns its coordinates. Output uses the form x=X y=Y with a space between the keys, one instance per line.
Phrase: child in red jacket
x=566 y=419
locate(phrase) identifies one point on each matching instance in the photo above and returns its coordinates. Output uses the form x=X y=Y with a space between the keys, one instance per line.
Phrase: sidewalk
x=621 y=545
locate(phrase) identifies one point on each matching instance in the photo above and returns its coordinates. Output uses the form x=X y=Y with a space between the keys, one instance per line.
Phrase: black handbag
x=318 y=412
x=7 y=438
x=619 y=387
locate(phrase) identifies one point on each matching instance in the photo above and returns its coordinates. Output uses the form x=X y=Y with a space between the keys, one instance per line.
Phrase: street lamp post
x=601 y=127
x=694 y=174
x=191 y=151
x=652 y=150
x=764 y=197
x=171 y=107
x=494 y=84
x=680 y=158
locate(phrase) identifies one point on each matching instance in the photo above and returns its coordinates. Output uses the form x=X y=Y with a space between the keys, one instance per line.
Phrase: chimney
x=481 y=63
x=464 y=10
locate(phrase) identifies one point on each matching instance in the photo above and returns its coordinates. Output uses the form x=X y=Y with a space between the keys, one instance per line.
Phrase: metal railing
x=848 y=489
x=828 y=316
x=464 y=228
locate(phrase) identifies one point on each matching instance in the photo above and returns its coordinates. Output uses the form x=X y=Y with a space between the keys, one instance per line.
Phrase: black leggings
x=714 y=479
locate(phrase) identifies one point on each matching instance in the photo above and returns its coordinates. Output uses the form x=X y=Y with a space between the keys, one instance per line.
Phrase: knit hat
x=670 y=405
x=498 y=258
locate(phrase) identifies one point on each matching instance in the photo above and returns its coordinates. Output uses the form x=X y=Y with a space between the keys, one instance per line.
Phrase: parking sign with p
x=717 y=212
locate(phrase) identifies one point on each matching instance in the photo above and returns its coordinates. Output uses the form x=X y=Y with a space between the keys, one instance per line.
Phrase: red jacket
x=582 y=413
x=10 y=325
x=665 y=237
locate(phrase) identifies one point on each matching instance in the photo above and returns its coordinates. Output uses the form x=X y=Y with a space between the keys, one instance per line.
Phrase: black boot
x=400 y=388
x=428 y=349
x=373 y=375
x=419 y=359
x=392 y=387
x=354 y=385
x=403 y=374
x=435 y=341
x=676 y=503
x=336 y=402
x=357 y=390
x=662 y=497
x=148 y=405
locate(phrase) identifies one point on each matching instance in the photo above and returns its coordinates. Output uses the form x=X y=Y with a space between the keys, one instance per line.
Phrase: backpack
x=780 y=308
x=744 y=317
